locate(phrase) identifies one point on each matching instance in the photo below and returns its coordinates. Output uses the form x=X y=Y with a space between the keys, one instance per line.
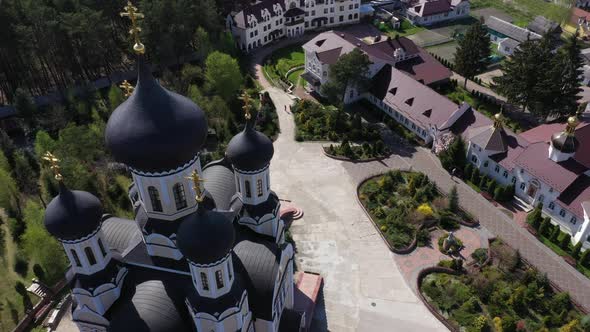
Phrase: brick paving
x=562 y=274
x=410 y=265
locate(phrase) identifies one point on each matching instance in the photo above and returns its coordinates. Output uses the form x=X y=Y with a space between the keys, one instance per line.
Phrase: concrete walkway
x=363 y=288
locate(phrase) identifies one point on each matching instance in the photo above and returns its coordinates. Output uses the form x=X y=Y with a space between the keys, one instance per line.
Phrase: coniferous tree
x=569 y=66
x=528 y=75
x=472 y=55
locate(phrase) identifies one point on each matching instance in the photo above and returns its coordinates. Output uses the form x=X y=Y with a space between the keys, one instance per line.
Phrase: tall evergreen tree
x=569 y=63
x=528 y=78
x=472 y=55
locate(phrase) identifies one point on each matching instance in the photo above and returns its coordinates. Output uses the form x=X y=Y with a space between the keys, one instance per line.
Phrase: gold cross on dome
x=247 y=105
x=134 y=16
x=53 y=165
x=127 y=87
x=197 y=181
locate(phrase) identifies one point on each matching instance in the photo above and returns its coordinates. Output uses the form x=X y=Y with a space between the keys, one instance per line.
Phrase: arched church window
x=179 y=196
x=267 y=181
x=155 y=199
x=259 y=187
x=219 y=279
x=102 y=251
x=204 y=281
x=90 y=255
x=247 y=185
x=76 y=258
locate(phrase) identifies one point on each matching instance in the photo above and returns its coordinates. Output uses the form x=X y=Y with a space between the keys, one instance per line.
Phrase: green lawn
x=280 y=61
x=406 y=29
x=294 y=77
x=523 y=11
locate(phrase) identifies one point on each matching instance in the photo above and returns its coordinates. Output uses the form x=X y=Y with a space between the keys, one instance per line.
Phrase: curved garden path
x=364 y=290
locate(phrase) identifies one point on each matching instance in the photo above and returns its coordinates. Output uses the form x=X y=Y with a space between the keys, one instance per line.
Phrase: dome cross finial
x=134 y=16
x=53 y=165
x=197 y=182
x=127 y=88
x=247 y=105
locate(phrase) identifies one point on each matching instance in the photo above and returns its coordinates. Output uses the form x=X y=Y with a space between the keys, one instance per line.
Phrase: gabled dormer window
x=393 y=91
x=410 y=101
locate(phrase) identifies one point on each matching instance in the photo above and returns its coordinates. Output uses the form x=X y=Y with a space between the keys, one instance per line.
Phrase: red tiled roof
x=412 y=98
x=577 y=193
x=425 y=68
x=469 y=119
x=435 y=7
x=543 y=133
x=330 y=56
x=535 y=160
x=578 y=13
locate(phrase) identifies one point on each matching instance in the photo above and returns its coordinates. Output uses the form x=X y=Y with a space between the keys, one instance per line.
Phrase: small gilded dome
x=205 y=237
x=72 y=215
x=564 y=142
x=573 y=121
x=155 y=130
x=498 y=116
x=250 y=150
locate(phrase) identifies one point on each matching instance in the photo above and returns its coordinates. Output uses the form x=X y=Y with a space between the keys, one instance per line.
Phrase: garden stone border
x=402 y=251
x=439 y=269
x=410 y=248
x=420 y=278
x=342 y=158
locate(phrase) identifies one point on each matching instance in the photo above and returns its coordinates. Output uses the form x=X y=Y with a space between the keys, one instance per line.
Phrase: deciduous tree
x=350 y=71
x=223 y=75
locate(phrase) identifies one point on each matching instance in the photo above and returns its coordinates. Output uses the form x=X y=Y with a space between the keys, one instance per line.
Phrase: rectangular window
x=562 y=212
x=259 y=187
x=204 y=281
x=341 y=18
x=331 y=20
x=325 y=10
x=573 y=220
x=219 y=279
x=505 y=175
x=341 y=8
x=76 y=258
x=102 y=251
x=90 y=255
x=551 y=206
x=497 y=169
x=522 y=186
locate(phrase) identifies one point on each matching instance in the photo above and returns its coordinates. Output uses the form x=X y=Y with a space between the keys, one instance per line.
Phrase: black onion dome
x=205 y=237
x=250 y=150
x=564 y=142
x=155 y=130
x=72 y=215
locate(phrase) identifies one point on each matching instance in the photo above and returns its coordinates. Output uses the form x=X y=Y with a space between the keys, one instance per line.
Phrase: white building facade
x=269 y=20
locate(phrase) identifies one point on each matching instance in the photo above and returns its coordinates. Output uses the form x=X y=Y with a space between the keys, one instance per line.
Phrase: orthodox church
x=206 y=251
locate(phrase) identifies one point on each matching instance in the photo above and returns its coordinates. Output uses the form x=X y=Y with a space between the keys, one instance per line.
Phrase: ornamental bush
x=565 y=241
x=468 y=171
x=577 y=249
x=545 y=228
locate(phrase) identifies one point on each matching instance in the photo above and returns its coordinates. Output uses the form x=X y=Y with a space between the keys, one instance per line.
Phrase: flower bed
x=507 y=295
x=400 y=203
x=364 y=152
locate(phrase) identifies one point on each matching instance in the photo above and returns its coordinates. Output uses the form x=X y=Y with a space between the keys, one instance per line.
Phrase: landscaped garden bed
x=403 y=205
x=506 y=295
x=315 y=122
x=558 y=241
x=364 y=152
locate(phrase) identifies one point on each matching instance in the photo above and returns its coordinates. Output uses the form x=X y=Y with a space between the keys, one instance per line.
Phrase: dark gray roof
x=290 y=321
x=250 y=150
x=271 y=205
x=510 y=30
x=155 y=130
x=564 y=142
x=90 y=282
x=119 y=233
x=220 y=183
x=542 y=25
x=72 y=215
x=258 y=263
x=490 y=138
x=205 y=237
x=152 y=306
x=294 y=12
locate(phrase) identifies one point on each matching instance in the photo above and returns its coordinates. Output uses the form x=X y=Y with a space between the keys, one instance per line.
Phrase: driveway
x=364 y=289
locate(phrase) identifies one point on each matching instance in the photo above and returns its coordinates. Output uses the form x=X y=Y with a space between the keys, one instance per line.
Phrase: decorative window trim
x=155 y=200
x=204 y=281
x=179 y=196
x=76 y=258
x=219 y=279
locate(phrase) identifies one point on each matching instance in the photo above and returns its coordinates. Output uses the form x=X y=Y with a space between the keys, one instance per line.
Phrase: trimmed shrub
x=577 y=249
x=453 y=199
x=468 y=171
x=565 y=241
x=483 y=181
x=492 y=184
x=585 y=257
x=534 y=218
x=475 y=176
x=545 y=228
x=555 y=234
x=498 y=193
x=21 y=264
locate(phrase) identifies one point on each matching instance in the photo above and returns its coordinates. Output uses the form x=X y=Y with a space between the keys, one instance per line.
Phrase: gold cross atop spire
x=197 y=180
x=134 y=16
x=53 y=164
x=127 y=87
x=247 y=105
